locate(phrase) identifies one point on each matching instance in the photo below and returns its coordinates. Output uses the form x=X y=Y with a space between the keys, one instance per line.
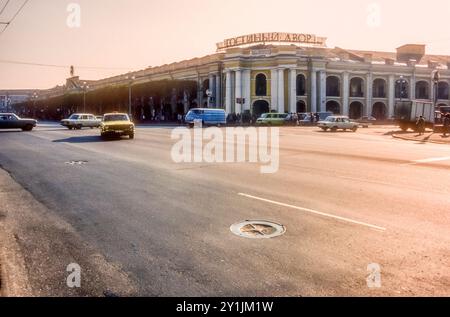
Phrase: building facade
x=285 y=72
x=9 y=98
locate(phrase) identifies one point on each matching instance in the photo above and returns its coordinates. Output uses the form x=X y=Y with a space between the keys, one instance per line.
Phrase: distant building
x=13 y=96
x=286 y=72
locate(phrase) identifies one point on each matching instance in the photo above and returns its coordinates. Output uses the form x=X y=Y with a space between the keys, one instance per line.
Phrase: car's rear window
x=116 y=117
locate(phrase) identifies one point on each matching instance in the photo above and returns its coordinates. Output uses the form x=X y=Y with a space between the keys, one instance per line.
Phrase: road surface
x=347 y=200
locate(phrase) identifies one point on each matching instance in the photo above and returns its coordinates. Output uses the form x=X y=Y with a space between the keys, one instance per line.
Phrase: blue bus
x=207 y=116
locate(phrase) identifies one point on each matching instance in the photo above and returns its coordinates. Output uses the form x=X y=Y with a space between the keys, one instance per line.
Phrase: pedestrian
x=311 y=118
x=420 y=124
x=446 y=124
x=317 y=117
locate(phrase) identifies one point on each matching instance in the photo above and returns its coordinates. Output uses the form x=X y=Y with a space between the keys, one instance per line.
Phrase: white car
x=81 y=120
x=335 y=123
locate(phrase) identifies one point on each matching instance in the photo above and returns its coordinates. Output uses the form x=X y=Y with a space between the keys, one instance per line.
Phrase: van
x=272 y=119
x=206 y=116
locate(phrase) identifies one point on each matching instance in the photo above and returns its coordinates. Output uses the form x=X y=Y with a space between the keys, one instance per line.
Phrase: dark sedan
x=12 y=121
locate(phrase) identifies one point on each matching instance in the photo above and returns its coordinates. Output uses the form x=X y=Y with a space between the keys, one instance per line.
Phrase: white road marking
x=314 y=212
x=429 y=160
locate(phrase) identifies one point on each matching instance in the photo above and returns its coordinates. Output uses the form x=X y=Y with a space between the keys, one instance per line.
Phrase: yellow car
x=117 y=124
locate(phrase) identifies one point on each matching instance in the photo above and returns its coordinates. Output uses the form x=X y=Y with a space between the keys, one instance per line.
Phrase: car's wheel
x=28 y=127
x=355 y=128
x=70 y=128
x=325 y=129
x=334 y=129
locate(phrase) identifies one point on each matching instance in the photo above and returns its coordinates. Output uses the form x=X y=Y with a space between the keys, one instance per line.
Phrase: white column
x=313 y=93
x=238 y=91
x=228 y=93
x=281 y=91
x=391 y=95
x=292 y=90
x=322 y=91
x=218 y=92
x=412 y=87
x=274 y=89
x=345 y=94
x=369 y=86
x=246 y=87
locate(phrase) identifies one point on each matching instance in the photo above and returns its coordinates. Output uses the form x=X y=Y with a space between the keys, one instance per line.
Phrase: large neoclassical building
x=286 y=72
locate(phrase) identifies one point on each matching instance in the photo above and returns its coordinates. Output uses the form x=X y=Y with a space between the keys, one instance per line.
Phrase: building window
x=422 y=90
x=333 y=87
x=261 y=85
x=379 y=88
x=443 y=89
x=301 y=85
x=356 y=87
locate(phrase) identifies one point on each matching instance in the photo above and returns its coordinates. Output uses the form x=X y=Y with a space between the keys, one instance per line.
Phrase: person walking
x=420 y=124
x=446 y=124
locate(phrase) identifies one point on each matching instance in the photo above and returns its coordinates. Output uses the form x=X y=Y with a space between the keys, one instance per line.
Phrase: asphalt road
x=347 y=200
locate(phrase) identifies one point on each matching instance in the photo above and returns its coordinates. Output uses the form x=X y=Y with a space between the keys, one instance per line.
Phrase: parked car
x=335 y=123
x=307 y=118
x=366 y=121
x=12 y=121
x=272 y=119
x=81 y=120
x=207 y=116
x=117 y=124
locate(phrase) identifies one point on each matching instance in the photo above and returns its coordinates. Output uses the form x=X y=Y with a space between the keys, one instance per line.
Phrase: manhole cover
x=258 y=229
x=76 y=162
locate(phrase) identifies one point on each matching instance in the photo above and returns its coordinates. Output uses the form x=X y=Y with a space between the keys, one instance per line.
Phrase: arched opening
x=401 y=89
x=443 y=90
x=356 y=110
x=422 y=90
x=261 y=85
x=205 y=87
x=379 y=111
x=356 y=87
x=260 y=107
x=379 y=88
x=301 y=85
x=333 y=86
x=301 y=106
x=334 y=107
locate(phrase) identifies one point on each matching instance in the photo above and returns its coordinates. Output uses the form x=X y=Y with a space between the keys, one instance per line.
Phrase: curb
x=395 y=136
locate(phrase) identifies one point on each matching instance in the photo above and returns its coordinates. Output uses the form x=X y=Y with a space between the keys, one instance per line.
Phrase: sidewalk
x=37 y=246
x=430 y=137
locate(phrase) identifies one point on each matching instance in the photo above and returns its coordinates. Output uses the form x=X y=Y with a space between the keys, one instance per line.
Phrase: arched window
x=333 y=86
x=422 y=90
x=261 y=85
x=301 y=85
x=379 y=88
x=356 y=87
x=443 y=90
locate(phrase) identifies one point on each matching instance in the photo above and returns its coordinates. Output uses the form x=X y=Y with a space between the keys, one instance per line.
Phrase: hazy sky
x=122 y=35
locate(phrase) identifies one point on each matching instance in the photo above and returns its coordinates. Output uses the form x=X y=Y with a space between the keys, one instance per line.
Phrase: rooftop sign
x=296 y=38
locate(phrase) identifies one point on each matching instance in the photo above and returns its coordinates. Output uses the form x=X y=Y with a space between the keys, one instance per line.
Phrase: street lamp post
x=130 y=83
x=85 y=88
x=436 y=76
x=402 y=82
x=34 y=97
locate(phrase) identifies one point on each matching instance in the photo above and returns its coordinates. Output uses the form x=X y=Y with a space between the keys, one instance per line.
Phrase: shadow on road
x=10 y=131
x=86 y=139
